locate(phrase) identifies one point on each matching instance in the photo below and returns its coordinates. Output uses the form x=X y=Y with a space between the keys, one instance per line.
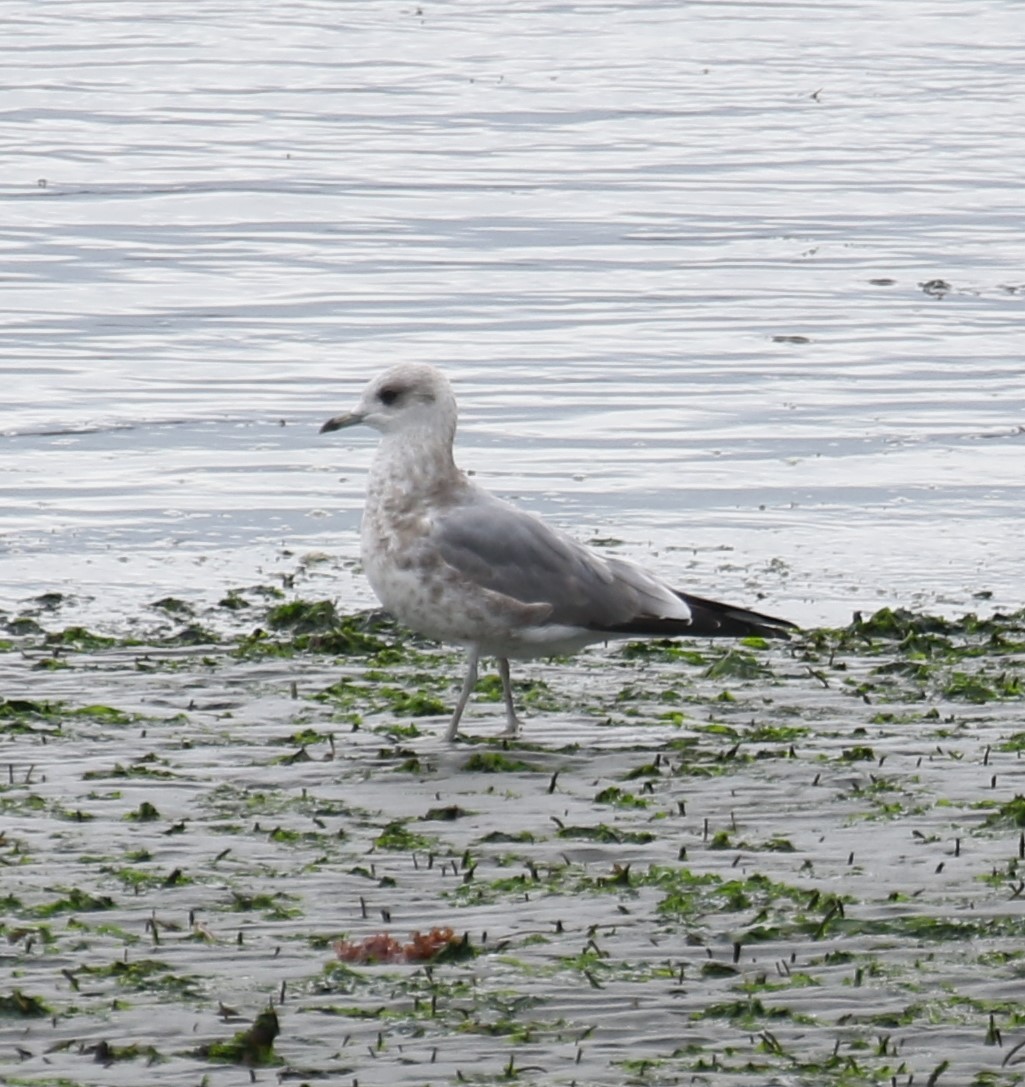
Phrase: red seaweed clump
x=383 y=948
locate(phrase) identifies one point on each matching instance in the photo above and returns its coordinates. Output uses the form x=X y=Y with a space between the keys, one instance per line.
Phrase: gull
x=453 y=562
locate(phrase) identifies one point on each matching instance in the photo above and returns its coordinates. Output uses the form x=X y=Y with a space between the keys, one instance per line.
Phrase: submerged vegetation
x=800 y=862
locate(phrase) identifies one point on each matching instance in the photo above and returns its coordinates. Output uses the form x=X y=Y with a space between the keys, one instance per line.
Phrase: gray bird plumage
x=454 y=562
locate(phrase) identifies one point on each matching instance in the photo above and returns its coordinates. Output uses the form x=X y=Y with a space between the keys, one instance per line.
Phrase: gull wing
x=509 y=551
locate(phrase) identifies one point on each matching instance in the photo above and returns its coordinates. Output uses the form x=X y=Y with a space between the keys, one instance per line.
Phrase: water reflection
x=676 y=257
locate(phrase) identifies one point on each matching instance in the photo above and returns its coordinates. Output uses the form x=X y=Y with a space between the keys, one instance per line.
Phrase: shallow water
x=674 y=256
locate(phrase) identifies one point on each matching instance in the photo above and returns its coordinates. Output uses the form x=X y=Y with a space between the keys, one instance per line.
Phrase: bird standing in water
x=455 y=563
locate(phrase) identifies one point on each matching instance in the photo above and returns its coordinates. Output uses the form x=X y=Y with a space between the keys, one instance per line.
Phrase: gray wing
x=509 y=551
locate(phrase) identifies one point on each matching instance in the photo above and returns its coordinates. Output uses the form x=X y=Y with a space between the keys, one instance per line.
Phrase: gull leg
x=472 y=656
x=512 y=727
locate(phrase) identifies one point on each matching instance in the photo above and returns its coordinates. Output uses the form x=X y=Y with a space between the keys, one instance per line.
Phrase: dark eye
x=389 y=395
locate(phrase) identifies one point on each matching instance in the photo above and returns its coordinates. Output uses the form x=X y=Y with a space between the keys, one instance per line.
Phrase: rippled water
x=740 y=285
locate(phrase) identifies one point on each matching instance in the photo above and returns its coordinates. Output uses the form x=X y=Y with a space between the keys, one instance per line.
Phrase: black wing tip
x=709 y=619
x=714 y=619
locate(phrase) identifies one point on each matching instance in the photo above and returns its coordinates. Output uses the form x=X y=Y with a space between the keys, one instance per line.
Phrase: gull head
x=406 y=398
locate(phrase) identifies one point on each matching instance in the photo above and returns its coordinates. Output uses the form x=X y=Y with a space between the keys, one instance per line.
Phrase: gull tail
x=709 y=619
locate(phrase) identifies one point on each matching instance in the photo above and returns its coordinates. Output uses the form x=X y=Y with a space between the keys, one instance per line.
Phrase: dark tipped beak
x=340 y=422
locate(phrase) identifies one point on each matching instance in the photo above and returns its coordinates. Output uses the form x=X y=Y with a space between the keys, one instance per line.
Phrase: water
x=737 y=285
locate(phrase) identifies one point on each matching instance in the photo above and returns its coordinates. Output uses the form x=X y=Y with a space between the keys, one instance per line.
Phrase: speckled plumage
x=453 y=562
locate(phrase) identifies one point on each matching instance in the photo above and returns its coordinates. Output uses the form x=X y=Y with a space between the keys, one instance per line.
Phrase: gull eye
x=389 y=395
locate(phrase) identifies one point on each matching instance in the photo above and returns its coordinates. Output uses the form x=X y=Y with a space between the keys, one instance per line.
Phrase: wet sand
x=703 y=863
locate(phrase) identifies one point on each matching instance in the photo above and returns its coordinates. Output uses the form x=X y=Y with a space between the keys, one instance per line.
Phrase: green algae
x=602 y=832
x=80 y=640
x=19 y=1005
x=316 y=626
x=736 y=664
x=733 y=934
x=397 y=837
x=73 y=900
x=495 y=762
x=253 y=1047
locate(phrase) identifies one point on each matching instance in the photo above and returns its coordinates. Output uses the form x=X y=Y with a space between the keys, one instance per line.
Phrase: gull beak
x=340 y=422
